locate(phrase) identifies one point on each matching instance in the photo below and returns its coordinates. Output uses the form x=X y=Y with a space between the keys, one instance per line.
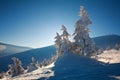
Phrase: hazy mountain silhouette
x=107 y=40
x=8 y=49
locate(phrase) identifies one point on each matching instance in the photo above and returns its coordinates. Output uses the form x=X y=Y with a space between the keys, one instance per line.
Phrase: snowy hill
x=8 y=49
x=72 y=66
x=39 y=54
x=75 y=67
x=107 y=40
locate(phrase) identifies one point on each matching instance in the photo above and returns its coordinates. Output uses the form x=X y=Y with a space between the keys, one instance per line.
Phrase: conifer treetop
x=58 y=36
x=85 y=20
x=63 y=28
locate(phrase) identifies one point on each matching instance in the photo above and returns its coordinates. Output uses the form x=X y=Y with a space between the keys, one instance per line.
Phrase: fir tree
x=16 y=68
x=58 y=43
x=65 y=40
x=33 y=65
x=65 y=34
x=83 y=42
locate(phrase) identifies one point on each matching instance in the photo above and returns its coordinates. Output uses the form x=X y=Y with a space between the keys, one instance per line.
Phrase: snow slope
x=75 y=67
x=36 y=74
x=72 y=66
x=110 y=56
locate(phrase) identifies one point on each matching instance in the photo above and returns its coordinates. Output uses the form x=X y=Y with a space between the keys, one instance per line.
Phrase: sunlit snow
x=110 y=56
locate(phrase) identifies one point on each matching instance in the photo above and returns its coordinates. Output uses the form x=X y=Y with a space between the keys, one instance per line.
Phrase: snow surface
x=45 y=71
x=72 y=66
x=110 y=56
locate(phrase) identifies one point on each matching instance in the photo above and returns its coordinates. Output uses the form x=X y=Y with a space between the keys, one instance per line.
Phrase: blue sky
x=34 y=23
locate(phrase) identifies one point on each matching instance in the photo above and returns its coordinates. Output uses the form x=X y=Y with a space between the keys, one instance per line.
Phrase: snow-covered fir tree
x=58 y=43
x=33 y=65
x=16 y=68
x=83 y=44
x=65 y=34
x=65 y=40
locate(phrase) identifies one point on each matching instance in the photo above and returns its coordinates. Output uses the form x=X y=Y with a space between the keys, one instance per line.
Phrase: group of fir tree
x=82 y=44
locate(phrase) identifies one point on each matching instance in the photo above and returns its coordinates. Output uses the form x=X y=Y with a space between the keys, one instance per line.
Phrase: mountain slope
x=75 y=67
x=39 y=54
x=8 y=49
x=107 y=40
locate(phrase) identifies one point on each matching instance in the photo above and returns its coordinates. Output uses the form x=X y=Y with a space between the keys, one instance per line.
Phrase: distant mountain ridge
x=107 y=40
x=9 y=49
